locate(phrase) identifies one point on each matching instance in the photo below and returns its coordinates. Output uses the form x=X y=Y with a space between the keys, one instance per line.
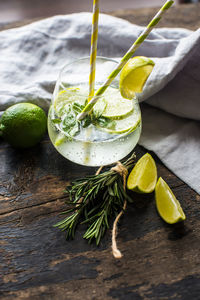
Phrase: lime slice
x=143 y=177
x=134 y=75
x=116 y=107
x=65 y=97
x=167 y=205
x=127 y=124
x=99 y=107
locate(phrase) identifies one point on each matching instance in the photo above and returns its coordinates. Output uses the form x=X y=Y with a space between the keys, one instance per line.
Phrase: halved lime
x=167 y=205
x=134 y=75
x=143 y=177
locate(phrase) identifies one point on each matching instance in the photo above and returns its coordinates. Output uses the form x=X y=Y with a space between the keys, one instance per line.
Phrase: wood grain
x=37 y=261
x=160 y=261
x=185 y=15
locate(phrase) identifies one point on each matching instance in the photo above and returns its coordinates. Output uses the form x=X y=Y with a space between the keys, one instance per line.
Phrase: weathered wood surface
x=36 y=262
x=186 y=16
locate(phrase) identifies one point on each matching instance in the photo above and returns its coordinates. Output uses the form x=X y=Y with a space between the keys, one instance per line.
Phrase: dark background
x=18 y=10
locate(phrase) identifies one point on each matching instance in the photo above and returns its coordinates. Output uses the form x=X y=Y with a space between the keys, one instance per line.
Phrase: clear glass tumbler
x=107 y=140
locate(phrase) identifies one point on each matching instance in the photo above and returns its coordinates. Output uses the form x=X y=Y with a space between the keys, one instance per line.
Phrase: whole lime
x=23 y=125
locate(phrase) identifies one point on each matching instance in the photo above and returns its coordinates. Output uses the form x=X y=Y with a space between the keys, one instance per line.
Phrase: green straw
x=125 y=58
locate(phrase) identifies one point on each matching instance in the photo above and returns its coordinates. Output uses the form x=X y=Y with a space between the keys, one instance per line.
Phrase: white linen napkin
x=32 y=56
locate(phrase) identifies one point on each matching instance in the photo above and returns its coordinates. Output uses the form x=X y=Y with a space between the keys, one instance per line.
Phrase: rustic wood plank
x=160 y=261
x=34 y=176
x=37 y=261
x=186 y=16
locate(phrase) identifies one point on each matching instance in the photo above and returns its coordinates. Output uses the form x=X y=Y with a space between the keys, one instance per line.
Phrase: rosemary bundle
x=95 y=200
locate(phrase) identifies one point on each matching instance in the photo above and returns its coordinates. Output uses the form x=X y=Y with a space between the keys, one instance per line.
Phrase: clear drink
x=114 y=127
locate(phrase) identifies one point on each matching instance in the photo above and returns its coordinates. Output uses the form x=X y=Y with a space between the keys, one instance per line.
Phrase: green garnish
x=56 y=121
x=71 y=126
x=94 y=200
x=105 y=122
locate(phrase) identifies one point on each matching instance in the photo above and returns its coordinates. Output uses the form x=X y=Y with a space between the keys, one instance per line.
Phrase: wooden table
x=36 y=262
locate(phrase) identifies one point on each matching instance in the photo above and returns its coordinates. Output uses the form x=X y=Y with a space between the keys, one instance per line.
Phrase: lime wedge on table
x=116 y=107
x=134 y=75
x=167 y=205
x=143 y=177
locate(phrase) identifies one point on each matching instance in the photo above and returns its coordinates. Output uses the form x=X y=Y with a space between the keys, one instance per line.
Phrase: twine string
x=119 y=168
x=115 y=251
x=99 y=170
x=122 y=171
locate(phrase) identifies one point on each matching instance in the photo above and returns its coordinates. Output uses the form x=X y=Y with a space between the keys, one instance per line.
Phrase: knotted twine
x=122 y=171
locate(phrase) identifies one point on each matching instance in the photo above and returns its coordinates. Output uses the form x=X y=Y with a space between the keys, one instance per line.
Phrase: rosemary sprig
x=94 y=200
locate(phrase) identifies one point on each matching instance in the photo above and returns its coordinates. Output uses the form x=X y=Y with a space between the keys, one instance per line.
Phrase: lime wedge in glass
x=143 y=177
x=167 y=205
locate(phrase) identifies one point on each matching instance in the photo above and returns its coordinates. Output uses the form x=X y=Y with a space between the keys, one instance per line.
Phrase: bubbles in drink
x=97 y=144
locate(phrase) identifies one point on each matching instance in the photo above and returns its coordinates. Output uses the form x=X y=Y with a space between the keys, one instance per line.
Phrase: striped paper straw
x=125 y=58
x=93 y=49
x=93 y=55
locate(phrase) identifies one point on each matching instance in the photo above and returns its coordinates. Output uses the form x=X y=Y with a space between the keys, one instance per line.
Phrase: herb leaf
x=56 y=121
x=69 y=123
x=99 y=108
x=105 y=122
x=71 y=126
x=94 y=200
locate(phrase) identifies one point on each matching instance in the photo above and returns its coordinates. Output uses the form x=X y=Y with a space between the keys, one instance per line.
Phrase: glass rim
x=82 y=59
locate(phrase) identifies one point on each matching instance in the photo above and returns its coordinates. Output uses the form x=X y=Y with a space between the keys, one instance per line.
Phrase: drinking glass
x=92 y=145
